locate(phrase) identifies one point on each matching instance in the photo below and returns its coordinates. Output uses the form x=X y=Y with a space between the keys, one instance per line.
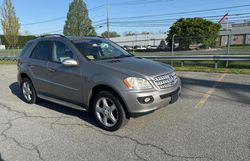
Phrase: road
x=210 y=122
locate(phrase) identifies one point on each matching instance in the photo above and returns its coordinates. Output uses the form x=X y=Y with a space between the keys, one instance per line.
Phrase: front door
x=66 y=83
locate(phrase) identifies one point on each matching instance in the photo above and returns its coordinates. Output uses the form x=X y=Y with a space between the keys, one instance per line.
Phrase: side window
x=42 y=51
x=60 y=52
x=26 y=48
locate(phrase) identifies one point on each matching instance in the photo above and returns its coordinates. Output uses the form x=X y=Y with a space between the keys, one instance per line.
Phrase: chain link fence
x=9 y=54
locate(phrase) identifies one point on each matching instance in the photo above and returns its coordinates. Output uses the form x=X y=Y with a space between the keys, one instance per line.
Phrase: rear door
x=38 y=66
x=66 y=83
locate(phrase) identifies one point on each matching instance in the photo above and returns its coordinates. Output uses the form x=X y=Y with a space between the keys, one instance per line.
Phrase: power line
x=186 y=12
x=137 y=2
x=58 y=18
x=136 y=17
x=59 y=31
x=171 y=19
x=45 y=21
x=164 y=21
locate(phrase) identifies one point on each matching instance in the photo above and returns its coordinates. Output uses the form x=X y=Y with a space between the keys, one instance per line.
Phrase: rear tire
x=28 y=91
x=109 y=111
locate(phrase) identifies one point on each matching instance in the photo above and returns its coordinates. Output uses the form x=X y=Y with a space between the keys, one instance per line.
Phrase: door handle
x=51 y=70
x=30 y=65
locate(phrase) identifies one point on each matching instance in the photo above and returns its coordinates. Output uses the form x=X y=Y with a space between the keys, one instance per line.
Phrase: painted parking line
x=205 y=97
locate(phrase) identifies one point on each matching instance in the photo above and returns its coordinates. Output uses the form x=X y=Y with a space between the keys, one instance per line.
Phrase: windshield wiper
x=122 y=56
x=115 y=57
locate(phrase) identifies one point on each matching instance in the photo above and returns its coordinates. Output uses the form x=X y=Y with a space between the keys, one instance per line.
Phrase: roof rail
x=49 y=35
x=67 y=37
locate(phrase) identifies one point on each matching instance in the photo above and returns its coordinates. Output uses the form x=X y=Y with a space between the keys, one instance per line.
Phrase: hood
x=133 y=66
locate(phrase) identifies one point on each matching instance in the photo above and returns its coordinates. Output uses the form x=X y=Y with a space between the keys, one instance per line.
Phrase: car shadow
x=85 y=116
x=1 y=157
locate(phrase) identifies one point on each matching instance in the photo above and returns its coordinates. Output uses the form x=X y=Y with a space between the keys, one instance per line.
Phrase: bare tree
x=10 y=23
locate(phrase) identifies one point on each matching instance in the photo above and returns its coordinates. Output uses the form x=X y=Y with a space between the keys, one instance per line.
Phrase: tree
x=111 y=34
x=10 y=23
x=145 y=33
x=26 y=33
x=78 y=22
x=163 y=44
x=189 y=31
x=129 y=33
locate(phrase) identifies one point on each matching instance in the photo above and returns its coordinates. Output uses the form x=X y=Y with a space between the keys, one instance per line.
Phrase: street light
x=98 y=27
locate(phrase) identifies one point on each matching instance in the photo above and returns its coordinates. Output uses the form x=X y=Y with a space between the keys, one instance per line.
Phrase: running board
x=71 y=105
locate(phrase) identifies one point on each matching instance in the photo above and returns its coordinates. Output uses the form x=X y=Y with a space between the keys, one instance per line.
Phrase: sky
x=126 y=15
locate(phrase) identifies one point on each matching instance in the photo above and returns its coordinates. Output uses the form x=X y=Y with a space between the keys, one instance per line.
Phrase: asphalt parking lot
x=211 y=121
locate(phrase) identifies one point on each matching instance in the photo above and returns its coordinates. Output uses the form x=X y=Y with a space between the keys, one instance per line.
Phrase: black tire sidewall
x=34 y=96
x=121 y=113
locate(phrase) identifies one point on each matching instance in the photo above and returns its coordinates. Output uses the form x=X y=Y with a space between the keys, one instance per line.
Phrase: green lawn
x=7 y=62
x=240 y=47
x=213 y=70
x=211 y=64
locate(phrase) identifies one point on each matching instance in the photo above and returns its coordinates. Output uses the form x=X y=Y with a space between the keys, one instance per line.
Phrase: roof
x=73 y=38
x=80 y=38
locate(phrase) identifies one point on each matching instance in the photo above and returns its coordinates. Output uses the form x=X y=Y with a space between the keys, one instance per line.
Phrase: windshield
x=100 y=50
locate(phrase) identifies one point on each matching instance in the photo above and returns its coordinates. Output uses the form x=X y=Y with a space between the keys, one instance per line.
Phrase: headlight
x=137 y=83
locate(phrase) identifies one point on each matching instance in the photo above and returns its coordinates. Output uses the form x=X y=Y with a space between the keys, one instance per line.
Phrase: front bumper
x=161 y=98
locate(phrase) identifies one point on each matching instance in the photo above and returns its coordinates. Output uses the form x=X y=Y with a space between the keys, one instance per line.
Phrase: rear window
x=42 y=51
x=26 y=48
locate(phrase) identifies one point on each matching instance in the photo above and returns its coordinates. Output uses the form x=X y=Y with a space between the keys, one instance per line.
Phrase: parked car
x=152 y=47
x=128 y=48
x=140 y=48
x=94 y=74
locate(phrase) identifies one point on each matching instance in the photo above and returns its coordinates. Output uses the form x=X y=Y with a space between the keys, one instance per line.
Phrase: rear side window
x=42 y=51
x=26 y=48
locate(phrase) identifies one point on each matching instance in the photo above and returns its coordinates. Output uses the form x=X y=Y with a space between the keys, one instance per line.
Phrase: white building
x=140 y=40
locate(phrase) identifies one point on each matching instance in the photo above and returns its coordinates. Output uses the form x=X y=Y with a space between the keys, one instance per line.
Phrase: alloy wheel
x=106 y=111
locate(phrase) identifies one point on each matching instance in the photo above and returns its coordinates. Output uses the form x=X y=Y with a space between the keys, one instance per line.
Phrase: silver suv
x=95 y=74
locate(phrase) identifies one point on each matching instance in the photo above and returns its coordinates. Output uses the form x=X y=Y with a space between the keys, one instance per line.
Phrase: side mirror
x=70 y=62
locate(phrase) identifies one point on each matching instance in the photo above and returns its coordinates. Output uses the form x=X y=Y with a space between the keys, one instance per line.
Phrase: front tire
x=28 y=91
x=108 y=111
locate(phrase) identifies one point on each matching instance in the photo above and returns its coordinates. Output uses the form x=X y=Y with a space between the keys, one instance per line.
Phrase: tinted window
x=42 y=51
x=26 y=48
x=60 y=52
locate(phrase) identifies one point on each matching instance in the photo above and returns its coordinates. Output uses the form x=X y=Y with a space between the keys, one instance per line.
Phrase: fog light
x=147 y=99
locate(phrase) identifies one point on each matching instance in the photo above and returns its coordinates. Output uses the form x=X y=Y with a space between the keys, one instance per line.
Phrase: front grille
x=165 y=80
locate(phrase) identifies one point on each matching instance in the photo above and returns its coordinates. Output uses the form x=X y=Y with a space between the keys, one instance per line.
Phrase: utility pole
x=172 y=63
x=173 y=45
x=228 y=45
x=107 y=13
x=228 y=41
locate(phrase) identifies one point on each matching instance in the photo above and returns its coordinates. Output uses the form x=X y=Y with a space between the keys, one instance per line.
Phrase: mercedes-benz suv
x=95 y=74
